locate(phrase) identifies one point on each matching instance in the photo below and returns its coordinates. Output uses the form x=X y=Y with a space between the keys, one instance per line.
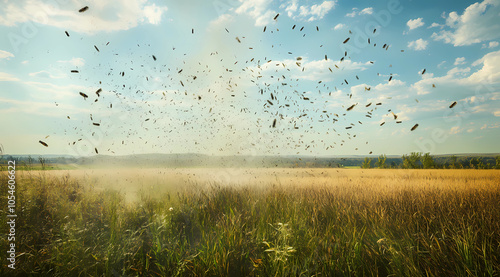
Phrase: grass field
x=255 y=222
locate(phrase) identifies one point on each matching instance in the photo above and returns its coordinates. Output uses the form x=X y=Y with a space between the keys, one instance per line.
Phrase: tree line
x=416 y=160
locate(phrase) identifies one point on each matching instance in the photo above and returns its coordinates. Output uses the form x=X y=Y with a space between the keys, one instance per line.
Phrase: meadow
x=255 y=222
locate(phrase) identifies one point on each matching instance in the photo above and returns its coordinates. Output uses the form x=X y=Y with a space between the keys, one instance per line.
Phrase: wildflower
x=171 y=209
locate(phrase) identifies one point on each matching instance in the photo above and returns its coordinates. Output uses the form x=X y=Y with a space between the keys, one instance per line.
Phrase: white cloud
x=101 y=15
x=492 y=44
x=415 y=23
x=478 y=23
x=46 y=74
x=24 y=62
x=7 y=77
x=434 y=25
x=352 y=14
x=221 y=21
x=153 y=13
x=459 y=61
x=291 y=8
x=490 y=72
x=366 y=11
x=42 y=108
x=339 y=26
x=316 y=70
x=258 y=10
x=456 y=130
x=308 y=13
x=77 y=62
x=458 y=71
x=418 y=44
x=5 y=55
x=496 y=113
x=462 y=82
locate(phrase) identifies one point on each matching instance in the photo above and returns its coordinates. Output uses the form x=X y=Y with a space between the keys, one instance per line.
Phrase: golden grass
x=258 y=222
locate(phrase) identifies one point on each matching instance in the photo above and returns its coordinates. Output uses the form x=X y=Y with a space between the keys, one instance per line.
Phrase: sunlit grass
x=330 y=223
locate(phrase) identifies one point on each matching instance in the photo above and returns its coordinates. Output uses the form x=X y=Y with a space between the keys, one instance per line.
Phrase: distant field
x=257 y=222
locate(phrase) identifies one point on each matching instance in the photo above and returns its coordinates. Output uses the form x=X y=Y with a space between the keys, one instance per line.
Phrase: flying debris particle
x=264 y=29
x=238 y=39
x=414 y=127
x=274 y=123
x=85 y=96
x=317 y=28
x=154 y=58
x=83 y=9
x=98 y=91
x=97 y=152
x=96 y=124
x=192 y=31
x=382 y=123
x=374 y=30
x=302 y=28
x=43 y=143
x=293 y=27
x=399 y=121
x=67 y=34
x=390 y=78
x=347 y=39
x=74 y=71
x=423 y=71
x=453 y=104
x=276 y=17
x=348 y=127
x=351 y=107
x=433 y=85
x=326 y=58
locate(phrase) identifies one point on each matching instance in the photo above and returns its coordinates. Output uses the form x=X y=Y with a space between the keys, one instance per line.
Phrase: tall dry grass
x=262 y=222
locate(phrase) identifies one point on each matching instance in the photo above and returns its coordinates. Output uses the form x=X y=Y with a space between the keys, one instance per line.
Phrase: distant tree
x=42 y=162
x=427 y=161
x=381 y=161
x=453 y=162
x=480 y=163
x=411 y=161
x=473 y=163
x=497 y=166
x=367 y=163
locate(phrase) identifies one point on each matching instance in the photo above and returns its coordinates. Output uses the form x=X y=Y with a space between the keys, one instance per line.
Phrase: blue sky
x=209 y=93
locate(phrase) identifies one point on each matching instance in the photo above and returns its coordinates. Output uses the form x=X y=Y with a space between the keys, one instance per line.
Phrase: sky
x=235 y=77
